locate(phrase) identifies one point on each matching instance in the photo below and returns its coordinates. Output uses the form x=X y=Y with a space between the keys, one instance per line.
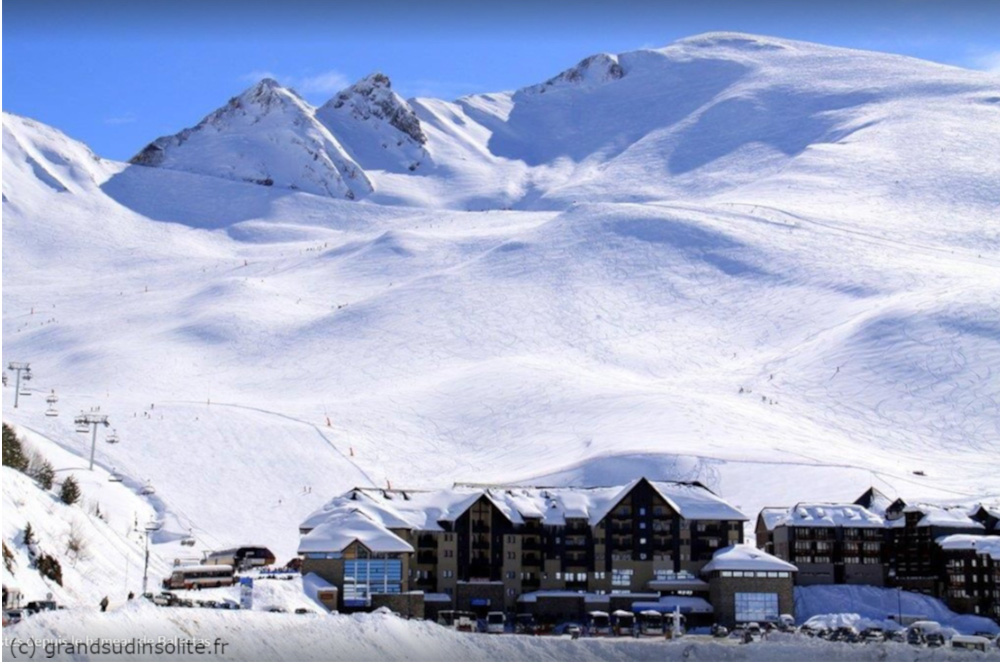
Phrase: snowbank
x=872 y=606
x=366 y=637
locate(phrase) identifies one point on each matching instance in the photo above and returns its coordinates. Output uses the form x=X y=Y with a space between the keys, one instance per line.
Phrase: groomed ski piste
x=598 y=277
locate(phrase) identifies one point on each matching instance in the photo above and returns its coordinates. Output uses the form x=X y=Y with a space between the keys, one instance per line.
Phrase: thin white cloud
x=257 y=75
x=328 y=82
x=324 y=83
x=126 y=118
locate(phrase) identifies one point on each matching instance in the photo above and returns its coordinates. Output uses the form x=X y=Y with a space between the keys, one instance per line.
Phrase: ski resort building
x=972 y=573
x=916 y=561
x=949 y=552
x=827 y=542
x=479 y=548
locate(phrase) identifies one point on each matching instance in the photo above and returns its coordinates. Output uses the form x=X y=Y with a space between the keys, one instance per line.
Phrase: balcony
x=480 y=544
x=531 y=560
x=480 y=527
x=426 y=542
x=426 y=558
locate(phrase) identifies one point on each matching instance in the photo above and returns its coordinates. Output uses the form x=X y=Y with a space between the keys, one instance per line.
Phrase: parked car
x=895 y=635
x=719 y=631
x=846 y=634
x=229 y=605
x=12 y=616
x=37 y=606
x=301 y=611
x=961 y=642
x=496 y=622
x=873 y=635
x=524 y=623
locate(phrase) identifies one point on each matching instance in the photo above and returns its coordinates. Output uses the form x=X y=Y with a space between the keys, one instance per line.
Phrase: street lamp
x=87 y=423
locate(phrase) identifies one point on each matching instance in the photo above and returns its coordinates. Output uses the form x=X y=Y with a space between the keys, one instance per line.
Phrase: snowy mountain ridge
x=769 y=266
x=269 y=136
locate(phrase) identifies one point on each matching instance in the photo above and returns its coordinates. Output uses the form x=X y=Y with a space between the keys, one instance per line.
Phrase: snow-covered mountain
x=269 y=136
x=377 y=126
x=768 y=265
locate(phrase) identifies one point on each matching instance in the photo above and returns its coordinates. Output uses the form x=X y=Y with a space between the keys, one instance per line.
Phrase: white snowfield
x=259 y=636
x=766 y=265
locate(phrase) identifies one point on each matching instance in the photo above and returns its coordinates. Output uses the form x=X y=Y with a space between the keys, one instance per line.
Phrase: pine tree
x=70 y=492
x=29 y=535
x=13 y=453
x=40 y=470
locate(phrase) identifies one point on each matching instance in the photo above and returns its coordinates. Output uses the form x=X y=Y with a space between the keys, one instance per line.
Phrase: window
x=642 y=540
x=642 y=511
x=510 y=592
x=758 y=607
x=371 y=575
x=512 y=575
x=447 y=574
x=449 y=553
x=621 y=577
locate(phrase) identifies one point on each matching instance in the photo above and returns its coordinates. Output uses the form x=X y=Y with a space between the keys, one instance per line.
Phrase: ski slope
x=790 y=307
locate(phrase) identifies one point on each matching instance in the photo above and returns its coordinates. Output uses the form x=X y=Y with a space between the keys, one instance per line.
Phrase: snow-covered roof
x=667 y=603
x=693 y=501
x=745 y=557
x=942 y=517
x=981 y=544
x=349 y=527
x=313 y=585
x=875 y=501
x=827 y=515
x=771 y=516
x=427 y=510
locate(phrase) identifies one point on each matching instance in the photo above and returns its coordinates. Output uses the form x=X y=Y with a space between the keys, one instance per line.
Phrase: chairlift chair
x=148 y=489
x=112 y=438
x=51 y=412
x=115 y=476
x=52 y=399
x=188 y=540
x=82 y=426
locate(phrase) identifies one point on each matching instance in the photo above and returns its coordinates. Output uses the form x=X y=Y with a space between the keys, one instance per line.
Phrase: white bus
x=195 y=577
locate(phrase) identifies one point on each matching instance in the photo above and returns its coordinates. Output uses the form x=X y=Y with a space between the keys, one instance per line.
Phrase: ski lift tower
x=88 y=422
x=151 y=527
x=18 y=368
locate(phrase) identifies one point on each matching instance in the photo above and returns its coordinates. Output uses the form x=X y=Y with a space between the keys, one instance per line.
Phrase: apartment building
x=828 y=542
x=483 y=547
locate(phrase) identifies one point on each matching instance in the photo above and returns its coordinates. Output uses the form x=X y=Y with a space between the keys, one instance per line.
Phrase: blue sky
x=118 y=74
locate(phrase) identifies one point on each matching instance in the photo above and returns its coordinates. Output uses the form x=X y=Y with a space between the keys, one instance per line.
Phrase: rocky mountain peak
x=371 y=97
